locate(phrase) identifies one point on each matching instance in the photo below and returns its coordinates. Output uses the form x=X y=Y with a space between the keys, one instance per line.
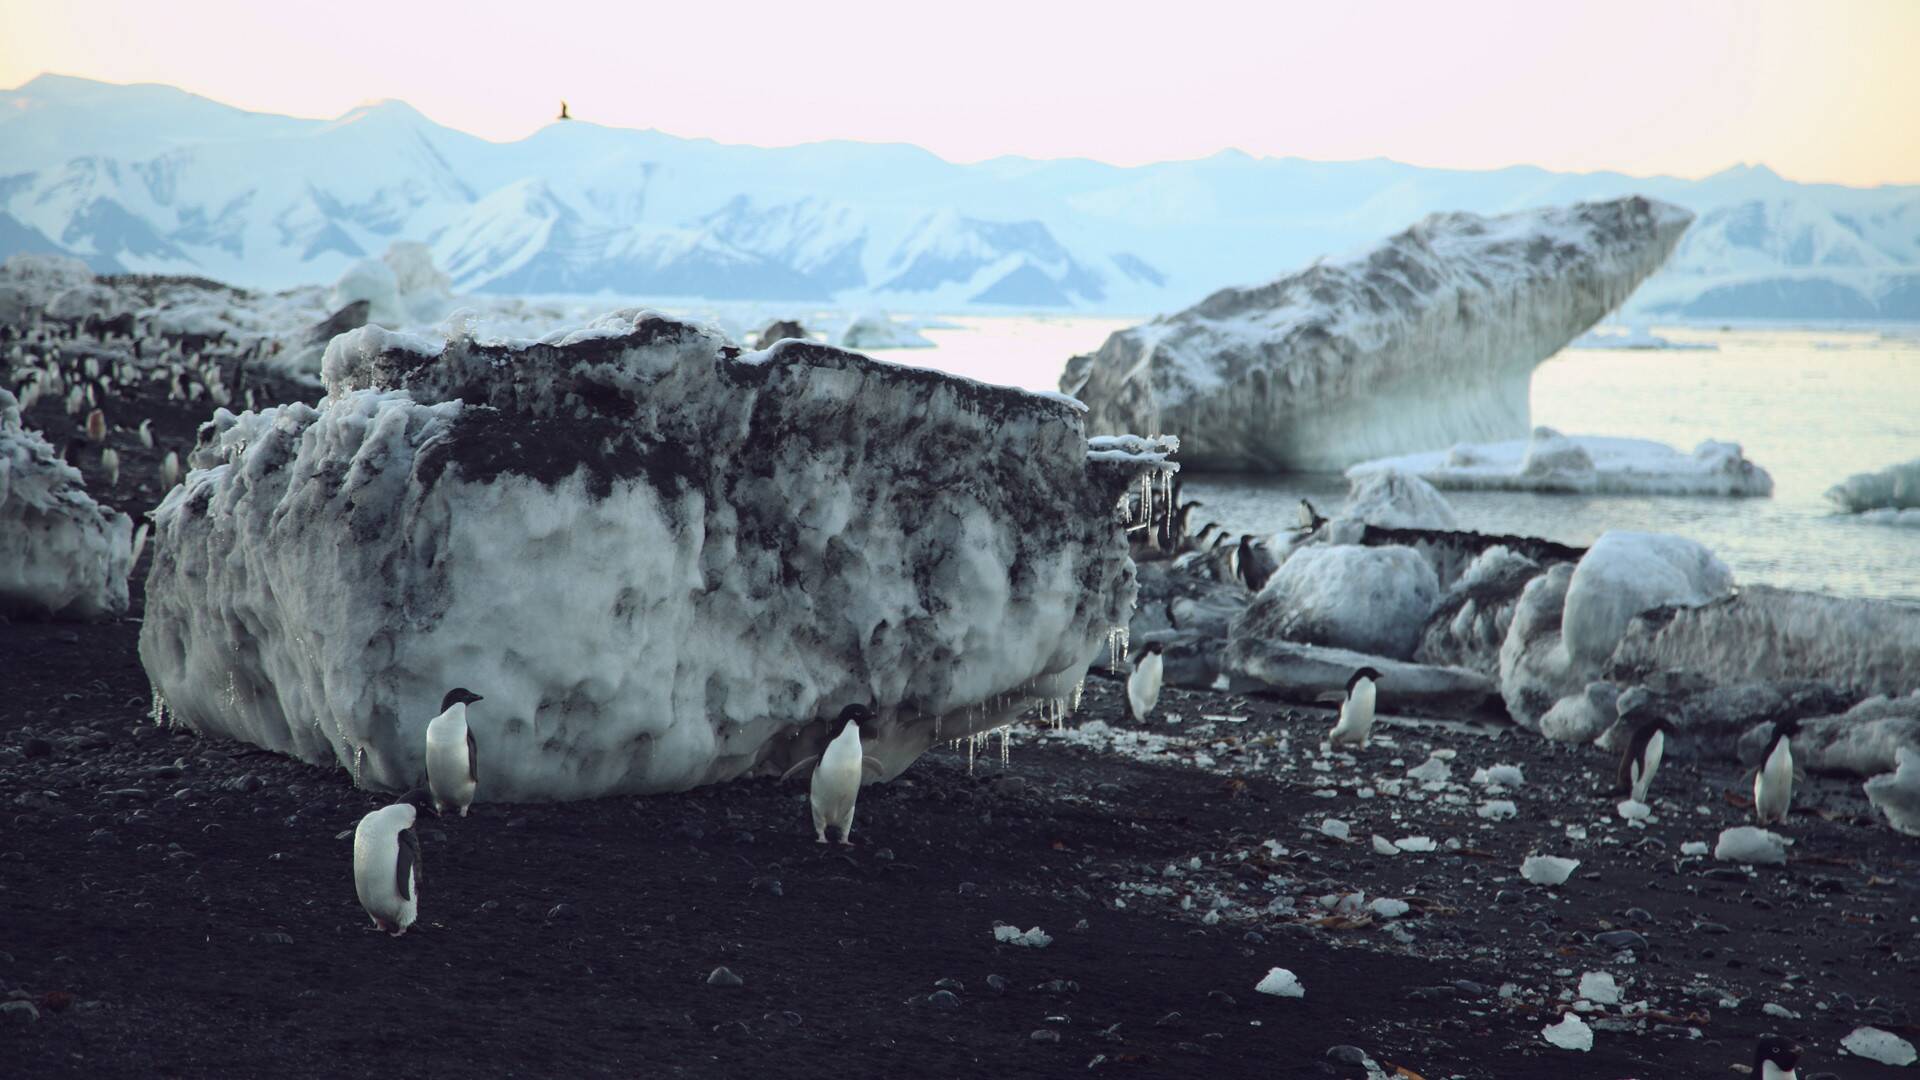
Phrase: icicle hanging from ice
x=359 y=765
x=158 y=713
x=973 y=742
x=1006 y=734
x=1079 y=691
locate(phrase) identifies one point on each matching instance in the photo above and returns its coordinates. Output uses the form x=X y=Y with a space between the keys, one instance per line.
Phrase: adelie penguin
x=1773 y=783
x=1356 y=710
x=386 y=862
x=1143 y=686
x=453 y=762
x=837 y=772
x=1641 y=758
x=1775 y=1058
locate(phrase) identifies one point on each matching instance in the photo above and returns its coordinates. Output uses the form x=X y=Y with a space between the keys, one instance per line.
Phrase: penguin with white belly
x=1356 y=709
x=1773 y=783
x=1641 y=758
x=1775 y=1058
x=1143 y=686
x=453 y=761
x=837 y=773
x=386 y=862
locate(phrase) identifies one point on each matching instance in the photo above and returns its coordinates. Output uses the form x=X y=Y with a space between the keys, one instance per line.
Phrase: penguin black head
x=459 y=695
x=1363 y=673
x=1783 y=1052
x=420 y=799
x=1153 y=648
x=1784 y=729
x=852 y=714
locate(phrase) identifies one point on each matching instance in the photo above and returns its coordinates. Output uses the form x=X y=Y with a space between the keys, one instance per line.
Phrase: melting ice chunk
x=1335 y=828
x=1694 y=847
x=1504 y=775
x=1548 y=870
x=1882 y=1046
x=1634 y=811
x=1750 y=844
x=1432 y=771
x=1498 y=809
x=1383 y=846
x=1599 y=988
x=1571 y=1033
x=1389 y=908
x=1035 y=938
x=1281 y=983
x=1414 y=843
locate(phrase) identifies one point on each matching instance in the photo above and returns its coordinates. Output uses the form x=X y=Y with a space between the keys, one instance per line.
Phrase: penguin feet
x=844 y=842
x=821 y=839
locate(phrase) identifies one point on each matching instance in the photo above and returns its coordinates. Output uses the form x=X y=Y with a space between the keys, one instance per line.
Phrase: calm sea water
x=1811 y=407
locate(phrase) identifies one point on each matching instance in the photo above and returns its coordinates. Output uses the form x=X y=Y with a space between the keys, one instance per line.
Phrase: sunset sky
x=1818 y=91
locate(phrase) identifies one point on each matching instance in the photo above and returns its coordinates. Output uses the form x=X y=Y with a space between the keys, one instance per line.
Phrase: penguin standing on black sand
x=453 y=761
x=837 y=773
x=1143 y=686
x=1775 y=1058
x=1773 y=784
x=1641 y=758
x=386 y=862
x=1356 y=710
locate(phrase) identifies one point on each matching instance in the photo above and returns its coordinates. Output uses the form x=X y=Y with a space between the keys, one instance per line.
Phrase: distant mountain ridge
x=152 y=179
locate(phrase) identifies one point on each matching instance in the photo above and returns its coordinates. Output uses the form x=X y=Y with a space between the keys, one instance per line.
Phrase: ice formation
x=1764 y=633
x=1635 y=337
x=1427 y=339
x=1753 y=845
x=402 y=288
x=1882 y=1046
x=1897 y=794
x=877 y=330
x=1548 y=869
x=1581 y=464
x=1599 y=988
x=1896 y=487
x=1571 y=1033
x=1368 y=599
x=1034 y=938
x=1281 y=983
x=61 y=553
x=1470 y=622
x=1863 y=741
x=659 y=561
x=1582 y=717
x=1295 y=672
x=1392 y=499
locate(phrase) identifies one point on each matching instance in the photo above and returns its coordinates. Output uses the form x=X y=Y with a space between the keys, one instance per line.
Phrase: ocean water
x=1812 y=407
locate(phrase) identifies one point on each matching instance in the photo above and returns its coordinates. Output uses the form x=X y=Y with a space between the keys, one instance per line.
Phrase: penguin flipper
x=797 y=767
x=473 y=759
x=406 y=864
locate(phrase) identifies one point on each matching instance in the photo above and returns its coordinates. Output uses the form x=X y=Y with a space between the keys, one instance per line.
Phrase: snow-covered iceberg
x=1896 y=487
x=61 y=553
x=1427 y=339
x=1368 y=599
x=1392 y=499
x=661 y=562
x=1548 y=461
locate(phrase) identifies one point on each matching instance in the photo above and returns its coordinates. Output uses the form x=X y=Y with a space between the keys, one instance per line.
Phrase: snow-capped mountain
x=152 y=179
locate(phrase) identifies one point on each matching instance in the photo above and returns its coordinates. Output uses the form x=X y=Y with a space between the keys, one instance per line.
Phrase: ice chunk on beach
x=1896 y=487
x=1497 y=809
x=1335 y=828
x=1571 y=1033
x=1367 y=599
x=1384 y=846
x=1548 y=461
x=1694 y=847
x=1034 y=938
x=1388 y=908
x=1427 y=339
x=662 y=563
x=1599 y=988
x=1391 y=499
x=1634 y=811
x=1625 y=573
x=1876 y=1045
x=1547 y=869
x=1281 y=983
x=61 y=553
x=1897 y=794
x=1751 y=844
x=1504 y=775
x=1415 y=844
x=1431 y=771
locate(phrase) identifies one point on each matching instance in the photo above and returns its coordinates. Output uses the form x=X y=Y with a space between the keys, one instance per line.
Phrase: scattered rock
x=724 y=977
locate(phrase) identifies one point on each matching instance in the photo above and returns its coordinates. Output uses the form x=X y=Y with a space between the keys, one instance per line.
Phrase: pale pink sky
x=1818 y=91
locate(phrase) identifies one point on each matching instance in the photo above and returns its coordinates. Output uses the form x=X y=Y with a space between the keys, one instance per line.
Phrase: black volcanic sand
x=176 y=906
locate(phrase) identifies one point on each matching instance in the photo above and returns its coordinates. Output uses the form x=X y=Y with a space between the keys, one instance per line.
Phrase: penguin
x=1356 y=710
x=1773 y=784
x=837 y=773
x=1181 y=521
x=563 y=111
x=1256 y=563
x=1775 y=1058
x=386 y=863
x=1201 y=542
x=1143 y=686
x=1641 y=758
x=1308 y=518
x=453 y=764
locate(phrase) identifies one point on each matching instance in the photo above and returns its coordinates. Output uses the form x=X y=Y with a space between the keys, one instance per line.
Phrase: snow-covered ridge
x=1425 y=340
x=1548 y=461
x=662 y=561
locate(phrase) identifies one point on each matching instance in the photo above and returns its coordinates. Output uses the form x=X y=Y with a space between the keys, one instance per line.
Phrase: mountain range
x=152 y=179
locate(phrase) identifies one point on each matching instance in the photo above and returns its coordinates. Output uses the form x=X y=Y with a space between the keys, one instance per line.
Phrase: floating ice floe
x=1876 y=1045
x=1599 y=988
x=1582 y=464
x=1034 y=938
x=1497 y=809
x=616 y=537
x=1504 y=775
x=1571 y=1033
x=1751 y=844
x=1281 y=983
x=1547 y=869
x=1896 y=487
x=1428 y=338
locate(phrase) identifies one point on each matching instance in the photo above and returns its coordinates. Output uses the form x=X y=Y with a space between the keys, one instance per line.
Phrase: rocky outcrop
x=1429 y=339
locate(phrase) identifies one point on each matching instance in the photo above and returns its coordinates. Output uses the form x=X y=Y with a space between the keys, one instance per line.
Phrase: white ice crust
x=660 y=563
x=1369 y=599
x=1393 y=499
x=1425 y=340
x=61 y=553
x=1548 y=461
x=1897 y=794
x=1895 y=488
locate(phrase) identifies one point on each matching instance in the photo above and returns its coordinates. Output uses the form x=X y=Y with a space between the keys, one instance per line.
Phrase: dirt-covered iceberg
x=61 y=554
x=1427 y=340
x=661 y=562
